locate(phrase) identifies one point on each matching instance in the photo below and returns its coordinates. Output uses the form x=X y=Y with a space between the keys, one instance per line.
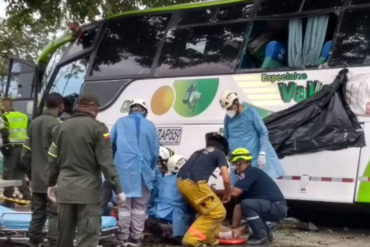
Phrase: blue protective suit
x=169 y=205
x=135 y=148
x=247 y=130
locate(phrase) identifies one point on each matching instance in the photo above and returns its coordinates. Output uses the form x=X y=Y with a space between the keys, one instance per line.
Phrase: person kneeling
x=260 y=198
x=169 y=215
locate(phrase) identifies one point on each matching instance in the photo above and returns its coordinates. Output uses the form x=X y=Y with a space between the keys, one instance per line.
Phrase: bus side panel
x=363 y=182
x=328 y=176
x=192 y=104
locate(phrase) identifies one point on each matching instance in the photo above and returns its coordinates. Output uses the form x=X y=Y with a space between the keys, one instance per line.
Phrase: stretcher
x=14 y=226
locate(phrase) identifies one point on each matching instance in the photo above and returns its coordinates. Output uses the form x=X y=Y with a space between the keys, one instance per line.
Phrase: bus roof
x=69 y=36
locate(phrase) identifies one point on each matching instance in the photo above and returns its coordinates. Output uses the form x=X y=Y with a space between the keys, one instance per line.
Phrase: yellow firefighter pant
x=211 y=212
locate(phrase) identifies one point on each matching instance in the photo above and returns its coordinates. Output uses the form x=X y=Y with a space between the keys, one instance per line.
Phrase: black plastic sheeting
x=323 y=122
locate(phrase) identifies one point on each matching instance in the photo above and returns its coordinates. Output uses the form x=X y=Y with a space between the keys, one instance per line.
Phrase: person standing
x=35 y=161
x=243 y=127
x=136 y=147
x=192 y=182
x=13 y=129
x=80 y=151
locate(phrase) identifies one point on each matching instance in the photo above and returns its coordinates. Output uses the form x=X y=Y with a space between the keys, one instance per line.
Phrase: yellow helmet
x=240 y=153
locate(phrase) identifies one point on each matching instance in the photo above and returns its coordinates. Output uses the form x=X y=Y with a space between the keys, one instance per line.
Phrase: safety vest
x=17 y=123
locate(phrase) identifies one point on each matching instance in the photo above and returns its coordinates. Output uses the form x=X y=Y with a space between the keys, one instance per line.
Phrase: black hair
x=53 y=100
x=218 y=141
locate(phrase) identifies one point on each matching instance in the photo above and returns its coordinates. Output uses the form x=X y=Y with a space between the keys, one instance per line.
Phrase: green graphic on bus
x=363 y=192
x=194 y=96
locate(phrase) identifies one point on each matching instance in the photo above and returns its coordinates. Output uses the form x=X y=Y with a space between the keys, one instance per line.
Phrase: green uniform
x=81 y=150
x=13 y=128
x=35 y=160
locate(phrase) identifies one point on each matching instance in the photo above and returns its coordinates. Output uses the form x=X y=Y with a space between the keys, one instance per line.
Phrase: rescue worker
x=80 y=151
x=260 y=198
x=243 y=127
x=169 y=215
x=135 y=148
x=13 y=129
x=192 y=183
x=35 y=160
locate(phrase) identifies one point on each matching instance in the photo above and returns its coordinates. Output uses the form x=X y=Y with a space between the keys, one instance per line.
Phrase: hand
x=226 y=198
x=121 y=199
x=262 y=160
x=51 y=192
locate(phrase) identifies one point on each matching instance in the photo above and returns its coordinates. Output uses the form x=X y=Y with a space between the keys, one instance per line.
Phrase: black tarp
x=323 y=122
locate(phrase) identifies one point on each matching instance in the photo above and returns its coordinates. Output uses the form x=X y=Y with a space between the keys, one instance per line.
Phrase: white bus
x=181 y=58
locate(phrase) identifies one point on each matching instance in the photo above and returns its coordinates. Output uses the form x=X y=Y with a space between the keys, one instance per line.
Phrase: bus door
x=21 y=85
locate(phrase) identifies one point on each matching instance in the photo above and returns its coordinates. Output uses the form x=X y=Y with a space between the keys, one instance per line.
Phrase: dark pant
x=42 y=208
x=106 y=197
x=258 y=211
x=13 y=170
x=85 y=217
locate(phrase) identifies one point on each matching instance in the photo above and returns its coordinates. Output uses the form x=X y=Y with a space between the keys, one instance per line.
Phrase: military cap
x=88 y=99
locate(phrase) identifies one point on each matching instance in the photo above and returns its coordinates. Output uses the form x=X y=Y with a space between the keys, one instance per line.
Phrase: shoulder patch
x=106 y=136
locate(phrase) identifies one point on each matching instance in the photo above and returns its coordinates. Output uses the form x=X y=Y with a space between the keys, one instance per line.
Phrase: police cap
x=88 y=99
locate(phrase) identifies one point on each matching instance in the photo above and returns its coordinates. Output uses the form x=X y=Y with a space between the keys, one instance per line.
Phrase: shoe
x=134 y=242
x=124 y=243
x=257 y=241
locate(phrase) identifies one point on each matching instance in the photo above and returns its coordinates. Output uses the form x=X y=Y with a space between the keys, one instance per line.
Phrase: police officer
x=35 y=160
x=80 y=151
x=13 y=129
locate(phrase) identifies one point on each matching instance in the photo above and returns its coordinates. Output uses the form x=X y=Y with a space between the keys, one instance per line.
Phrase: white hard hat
x=140 y=102
x=175 y=162
x=227 y=99
x=164 y=153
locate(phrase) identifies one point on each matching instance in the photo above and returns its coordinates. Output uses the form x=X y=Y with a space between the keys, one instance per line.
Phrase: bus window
x=319 y=4
x=352 y=46
x=53 y=62
x=129 y=46
x=226 y=13
x=201 y=50
x=106 y=91
x=84 y=41
x=354 y=2
x=197 y=16
x=297 y=43
x=21 y=80
x=70 y=77
x=273 y=7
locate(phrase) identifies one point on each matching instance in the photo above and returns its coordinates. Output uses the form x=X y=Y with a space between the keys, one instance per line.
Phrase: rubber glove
x=262 y=160
x=121 y=199
x=51 y=192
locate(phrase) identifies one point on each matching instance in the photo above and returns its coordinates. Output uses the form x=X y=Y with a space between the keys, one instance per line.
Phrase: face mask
x=231 y=113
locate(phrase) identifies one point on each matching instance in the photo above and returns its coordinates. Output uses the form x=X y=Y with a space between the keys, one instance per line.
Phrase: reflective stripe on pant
x=85 y=217
x=210 y=209
x=42 y=209
x=257 y=211
x=132 y=216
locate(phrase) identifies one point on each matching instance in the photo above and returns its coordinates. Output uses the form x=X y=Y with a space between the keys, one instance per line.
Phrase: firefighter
x=192 y=183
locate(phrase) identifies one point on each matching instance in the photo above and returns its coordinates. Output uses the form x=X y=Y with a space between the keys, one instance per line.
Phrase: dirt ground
x=327 y=237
